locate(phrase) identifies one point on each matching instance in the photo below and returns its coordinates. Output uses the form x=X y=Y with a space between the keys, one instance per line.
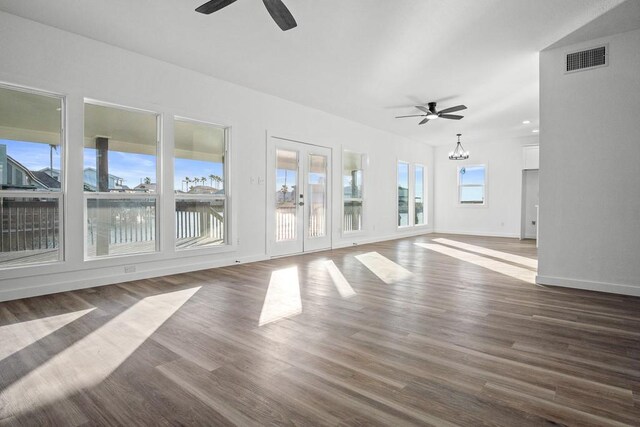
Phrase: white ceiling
x=366 y=60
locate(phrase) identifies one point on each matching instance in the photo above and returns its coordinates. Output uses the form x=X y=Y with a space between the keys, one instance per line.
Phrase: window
x=120 y=180
x=199 y=184
x=411 y=195
x=419 y=196
x=471 y=185
x=403 y=194
x=352 y=176
x=31 y=171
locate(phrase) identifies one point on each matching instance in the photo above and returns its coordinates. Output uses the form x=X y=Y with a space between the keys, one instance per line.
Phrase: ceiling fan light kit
x=430 y=113
x=459 y=153
x=276 y=8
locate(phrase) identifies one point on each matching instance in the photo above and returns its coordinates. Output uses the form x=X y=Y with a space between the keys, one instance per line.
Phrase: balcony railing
x=30 y=227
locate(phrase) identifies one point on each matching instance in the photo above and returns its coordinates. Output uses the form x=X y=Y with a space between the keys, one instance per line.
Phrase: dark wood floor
x=421 y=335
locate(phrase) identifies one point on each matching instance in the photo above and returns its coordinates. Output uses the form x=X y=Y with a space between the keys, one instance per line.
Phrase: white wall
x=500 y=216
x=590 y=169
x=45 y=58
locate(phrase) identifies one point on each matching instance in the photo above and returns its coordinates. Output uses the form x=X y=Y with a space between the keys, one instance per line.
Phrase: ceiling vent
x=587 y=59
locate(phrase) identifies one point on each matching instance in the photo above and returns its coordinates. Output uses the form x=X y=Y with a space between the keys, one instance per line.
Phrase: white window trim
x=60 y=195
x=486 y=186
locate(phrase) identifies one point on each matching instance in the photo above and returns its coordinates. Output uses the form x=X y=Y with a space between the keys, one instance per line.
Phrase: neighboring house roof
x=145 y=187
x=46 y=179
x=27 y=172
x=205 y=189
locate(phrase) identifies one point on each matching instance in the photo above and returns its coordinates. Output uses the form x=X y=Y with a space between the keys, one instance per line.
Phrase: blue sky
x=403 y=175
x=132 y=167
x=33 y=155
x=474 y=175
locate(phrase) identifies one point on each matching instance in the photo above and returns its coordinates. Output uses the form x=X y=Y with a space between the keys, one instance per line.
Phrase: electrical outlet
x=130 y=269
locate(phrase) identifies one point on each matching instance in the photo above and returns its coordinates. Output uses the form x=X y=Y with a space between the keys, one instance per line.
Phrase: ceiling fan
x=276 y=9
x=431 y=113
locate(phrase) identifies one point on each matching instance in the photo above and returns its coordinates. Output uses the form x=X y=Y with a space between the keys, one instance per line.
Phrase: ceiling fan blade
x=423 y=122
x=422 y=108
x=414 y=115
x=213 y=6
x=453 y=109
x=450 y=116
x=280 y=14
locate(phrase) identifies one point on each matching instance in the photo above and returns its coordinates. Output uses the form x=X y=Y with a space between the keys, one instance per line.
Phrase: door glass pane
x=419 y=196
x=317 y=195
x=286 y=194
x=403 y=194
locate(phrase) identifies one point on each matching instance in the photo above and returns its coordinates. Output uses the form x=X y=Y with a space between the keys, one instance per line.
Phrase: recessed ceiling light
x=535 y=131
x=526 y=122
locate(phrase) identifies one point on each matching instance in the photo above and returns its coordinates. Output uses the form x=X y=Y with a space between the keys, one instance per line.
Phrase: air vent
x=590 y=58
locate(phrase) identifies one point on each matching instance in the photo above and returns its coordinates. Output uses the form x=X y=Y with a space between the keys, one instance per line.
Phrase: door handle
x=300 y=203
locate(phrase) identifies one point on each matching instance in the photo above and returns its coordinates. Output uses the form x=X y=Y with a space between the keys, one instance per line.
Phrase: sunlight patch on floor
x=519 y=273
x=341 y=283
x=528 y=262
x=388 y=271
x=283 y=296
x=93 y=358
x=16 y=336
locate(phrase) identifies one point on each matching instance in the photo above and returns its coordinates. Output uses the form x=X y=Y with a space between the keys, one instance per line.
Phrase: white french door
x=298 y=197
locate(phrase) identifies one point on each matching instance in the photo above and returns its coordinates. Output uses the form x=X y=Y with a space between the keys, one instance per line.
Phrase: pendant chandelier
x=459 y=153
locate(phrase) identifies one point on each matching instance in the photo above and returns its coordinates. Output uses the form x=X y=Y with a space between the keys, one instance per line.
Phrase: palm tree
x=217 y=179
x=203 y=180
x=147 y=180
x=187 y=180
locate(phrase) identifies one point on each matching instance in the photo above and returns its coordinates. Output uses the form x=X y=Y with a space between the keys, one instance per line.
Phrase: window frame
x=228 y=241
x=364 y=160
x=59 y=195
x=485 y=185
x=157 y=195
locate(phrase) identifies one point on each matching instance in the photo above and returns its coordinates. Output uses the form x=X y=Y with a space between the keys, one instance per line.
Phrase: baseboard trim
x=365 y=241
x=479 y=233
x=614 y=288
x=110 y=279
